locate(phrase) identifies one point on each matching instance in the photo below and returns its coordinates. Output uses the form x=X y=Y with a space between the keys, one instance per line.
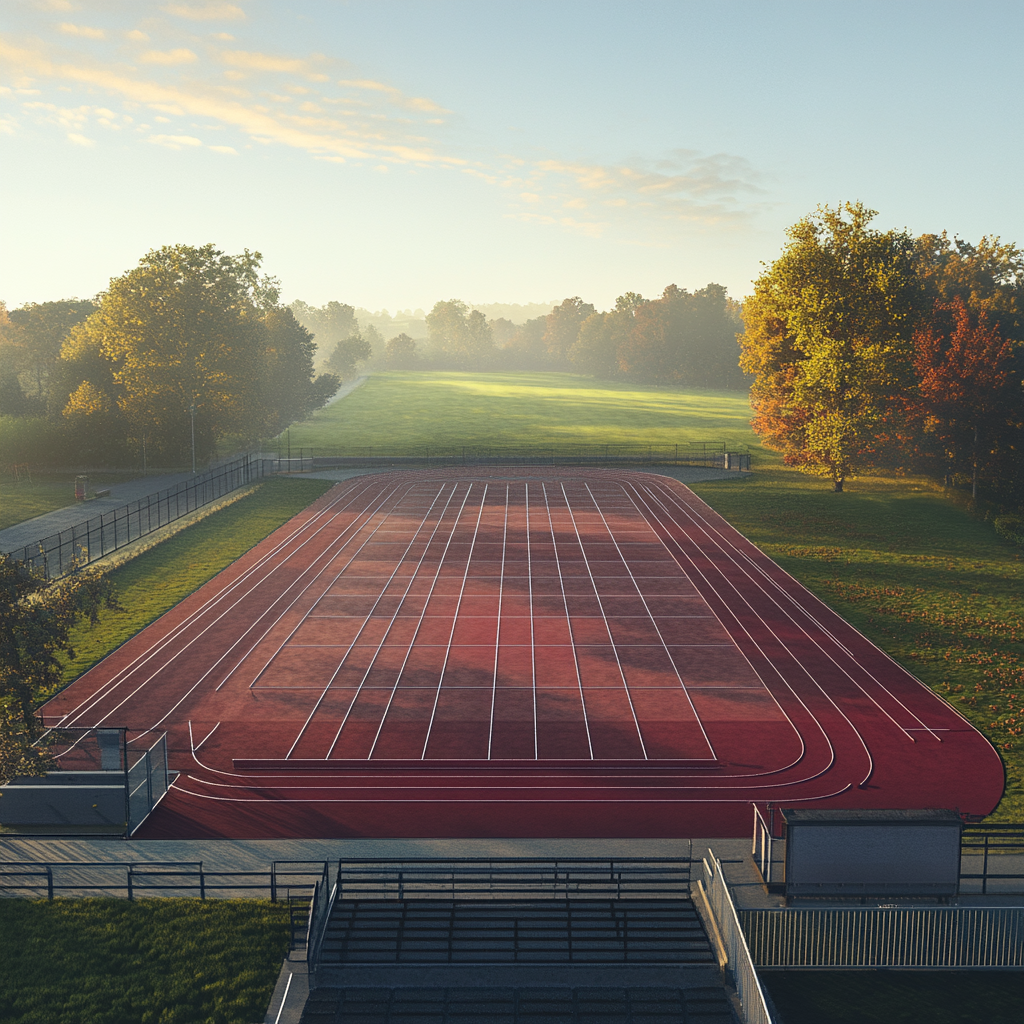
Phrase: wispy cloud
x=266 y=116
x=168 y=57
x=176 y=141
x=82 y=30
x=206 y=11
x=190 y=84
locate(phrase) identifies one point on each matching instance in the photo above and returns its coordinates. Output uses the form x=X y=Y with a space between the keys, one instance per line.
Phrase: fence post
x=273 y=881
x=49 y=883
x=130 y=883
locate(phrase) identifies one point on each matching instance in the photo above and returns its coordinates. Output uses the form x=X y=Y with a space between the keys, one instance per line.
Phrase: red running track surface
x=522 y=654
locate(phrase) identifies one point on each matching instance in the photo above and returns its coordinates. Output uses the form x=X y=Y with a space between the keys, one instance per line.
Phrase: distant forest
x=681 y=338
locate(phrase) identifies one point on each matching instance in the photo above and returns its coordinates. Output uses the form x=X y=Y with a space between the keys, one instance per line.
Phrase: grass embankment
x=159 y=578
x=897 y=997
x=402 y=410
x=108 y=961
x=25 y=497
x=930 y=584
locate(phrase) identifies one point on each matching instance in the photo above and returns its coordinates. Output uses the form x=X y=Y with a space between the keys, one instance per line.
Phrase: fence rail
x=79 y=545
x=131 y=879
x=870 y=937
x=739 y=962
x=475 y=879
x=709 y=454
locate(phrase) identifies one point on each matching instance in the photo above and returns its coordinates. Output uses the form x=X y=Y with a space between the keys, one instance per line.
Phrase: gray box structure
x=872 y=853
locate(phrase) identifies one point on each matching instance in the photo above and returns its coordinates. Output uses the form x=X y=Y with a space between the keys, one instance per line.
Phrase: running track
x=525 y=654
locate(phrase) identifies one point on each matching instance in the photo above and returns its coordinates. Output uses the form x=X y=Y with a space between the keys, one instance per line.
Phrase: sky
x=392 y=153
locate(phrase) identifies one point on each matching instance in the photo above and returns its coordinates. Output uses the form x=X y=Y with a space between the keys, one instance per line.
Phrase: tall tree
x=38 y=330
x=828 y=338
x=563 y=327
x=603 y=335
x=460 y=333
x=347 y=354
x=966 y=388
x=400 y=353
x=328 y=324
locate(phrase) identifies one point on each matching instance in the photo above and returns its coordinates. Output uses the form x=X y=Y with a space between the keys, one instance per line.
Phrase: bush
x=1010 y=528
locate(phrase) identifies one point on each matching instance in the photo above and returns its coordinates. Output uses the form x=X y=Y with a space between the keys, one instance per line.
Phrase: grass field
x=159 y=578
x=109 y=961
x=25 y=498
x=897 y=997
x=928 y=582
x=490 y=409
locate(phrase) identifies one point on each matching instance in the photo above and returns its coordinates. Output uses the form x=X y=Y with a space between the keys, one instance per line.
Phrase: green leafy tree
x=828 y=340
x=18 y=757
x=461 y=334
x=400 y=353
x=36 y=618
x=37 y=332
x=289 y=390
x=603 y=335
x=328 y=324
x=181 y=331
x=347 y=354
x=562 y=328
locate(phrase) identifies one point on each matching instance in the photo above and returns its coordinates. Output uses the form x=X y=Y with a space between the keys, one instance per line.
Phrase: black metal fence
x=132 y=880
x=101 y=535
x=706 y=454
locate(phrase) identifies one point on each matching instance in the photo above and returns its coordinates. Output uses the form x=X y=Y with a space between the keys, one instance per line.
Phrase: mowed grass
x=158 y=579
x=109 y=961
x=914 y=571
x=403 y=410
x=897 y=997
x=25 y=497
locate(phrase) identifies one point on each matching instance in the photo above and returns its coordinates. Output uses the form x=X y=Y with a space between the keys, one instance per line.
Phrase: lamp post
x=192 y=411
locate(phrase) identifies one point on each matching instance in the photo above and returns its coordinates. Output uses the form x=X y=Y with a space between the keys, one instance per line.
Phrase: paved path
x=28 y=532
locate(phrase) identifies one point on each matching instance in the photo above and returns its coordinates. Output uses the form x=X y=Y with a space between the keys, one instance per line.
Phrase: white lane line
x=752 y=568
x=497 y=632
x=533 y=646
x=165 y=640
x=604 y=618
x=223 y=656
x=455 y=622
x=653 y=621
x=419 y=621
x=568 y=619
x=366 y=620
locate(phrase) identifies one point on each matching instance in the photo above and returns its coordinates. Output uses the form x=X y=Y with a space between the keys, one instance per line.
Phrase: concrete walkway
x=46 y=525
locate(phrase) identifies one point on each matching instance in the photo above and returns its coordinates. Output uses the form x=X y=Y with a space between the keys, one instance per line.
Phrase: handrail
x=742 y=971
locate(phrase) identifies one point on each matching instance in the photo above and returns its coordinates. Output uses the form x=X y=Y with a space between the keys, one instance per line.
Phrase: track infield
x=532 y=653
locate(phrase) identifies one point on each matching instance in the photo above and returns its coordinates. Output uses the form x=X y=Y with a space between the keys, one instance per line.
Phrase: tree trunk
x=837 y=486
x=974 y=474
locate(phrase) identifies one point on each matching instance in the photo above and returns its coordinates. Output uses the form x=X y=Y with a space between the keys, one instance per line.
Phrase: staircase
x=502 y=941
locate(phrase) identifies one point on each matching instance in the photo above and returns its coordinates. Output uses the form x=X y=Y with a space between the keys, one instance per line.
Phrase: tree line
x=683 y=338
x=873 y=348
x=190 y=344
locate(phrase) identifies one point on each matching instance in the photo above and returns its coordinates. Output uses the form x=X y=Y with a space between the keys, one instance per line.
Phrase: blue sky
x=390 y=154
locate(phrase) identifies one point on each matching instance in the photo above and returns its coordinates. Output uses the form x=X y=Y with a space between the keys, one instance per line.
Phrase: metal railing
x=740 y=968
x=509 y=879
x=870 y=937
x=320 y=905
x=998 y=850
x=79 y=545
x=131 y=879
x=708 y=454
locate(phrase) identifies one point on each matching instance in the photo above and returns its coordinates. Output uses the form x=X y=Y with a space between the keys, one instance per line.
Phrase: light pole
x=192 y=411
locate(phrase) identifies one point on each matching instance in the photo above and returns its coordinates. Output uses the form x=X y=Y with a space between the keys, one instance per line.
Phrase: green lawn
x=897 y=997
x=26 y=497
x=406 y=409
x=158 y=579
x=931 y=584
x=109 y=961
